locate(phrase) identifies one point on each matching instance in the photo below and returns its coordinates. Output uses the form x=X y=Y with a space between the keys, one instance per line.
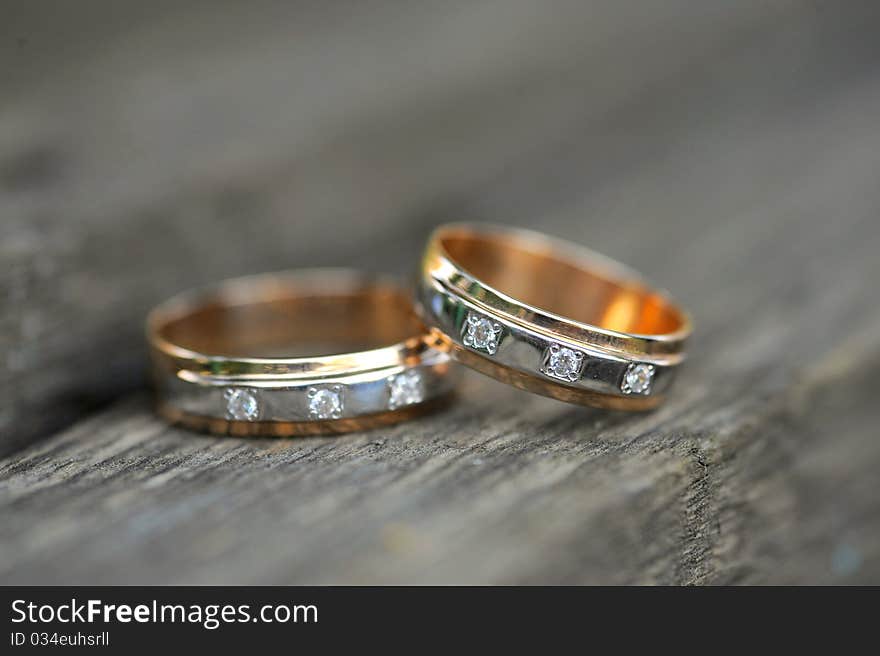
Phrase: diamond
x=325 y=402
x=563 y=363
x=637 y=379
x=405 y=389
x=241 y=404
x=481 y=334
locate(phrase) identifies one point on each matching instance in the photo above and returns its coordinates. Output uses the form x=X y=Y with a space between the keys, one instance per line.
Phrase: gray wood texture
x=730 y=151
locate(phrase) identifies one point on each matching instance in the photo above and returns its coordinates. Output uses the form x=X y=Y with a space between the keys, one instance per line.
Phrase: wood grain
x=731 y=156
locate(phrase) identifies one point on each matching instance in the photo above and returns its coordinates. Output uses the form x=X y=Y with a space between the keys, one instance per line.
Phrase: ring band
x=551 y=318
x=239 y=358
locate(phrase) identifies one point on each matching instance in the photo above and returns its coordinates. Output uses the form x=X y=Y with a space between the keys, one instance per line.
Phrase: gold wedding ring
x=295 y=353
x=549 y=317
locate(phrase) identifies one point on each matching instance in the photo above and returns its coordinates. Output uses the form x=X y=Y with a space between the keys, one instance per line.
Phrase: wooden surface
x=730 y=151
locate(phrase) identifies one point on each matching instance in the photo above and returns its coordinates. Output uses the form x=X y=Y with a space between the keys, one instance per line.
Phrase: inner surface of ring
x=298 y=325
x=545 y=280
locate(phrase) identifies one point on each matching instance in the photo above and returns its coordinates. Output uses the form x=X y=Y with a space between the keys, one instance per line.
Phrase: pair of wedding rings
x=330 y=350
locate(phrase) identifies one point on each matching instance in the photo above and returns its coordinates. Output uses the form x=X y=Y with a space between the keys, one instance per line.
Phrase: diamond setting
x=241 y=404
x=563 y=363
x=325 y=402
x=481 y=333
x=637 y=379
x=405 y=389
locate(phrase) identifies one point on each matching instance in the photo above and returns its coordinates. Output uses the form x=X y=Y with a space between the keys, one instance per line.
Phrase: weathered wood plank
x=269 y=137
x=743 y=178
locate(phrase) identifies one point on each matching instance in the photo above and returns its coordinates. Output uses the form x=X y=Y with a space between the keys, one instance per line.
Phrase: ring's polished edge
x=542 y=351
x=226 y=393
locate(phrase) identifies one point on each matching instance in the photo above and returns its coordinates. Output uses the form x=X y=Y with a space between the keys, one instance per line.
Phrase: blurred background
x=728 y=150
